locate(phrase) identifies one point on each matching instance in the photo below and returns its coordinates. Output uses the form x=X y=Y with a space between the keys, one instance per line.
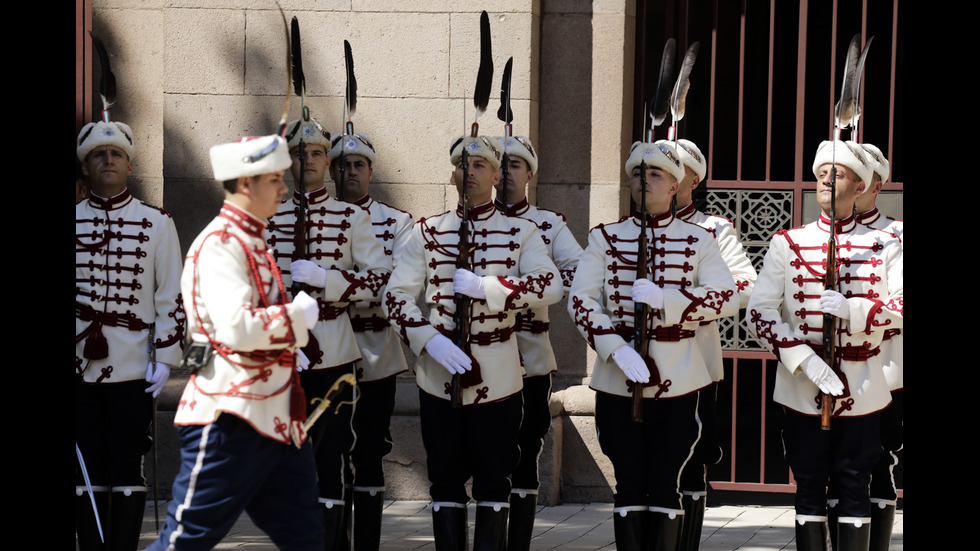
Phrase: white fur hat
x=519 y=146
x=95 y=134
x=659 y=154
x=249 y=156
x=311 y=132
x=878 y=161
x=353 y=144
x=849 y=154
x=481 y=146
x=692 y=157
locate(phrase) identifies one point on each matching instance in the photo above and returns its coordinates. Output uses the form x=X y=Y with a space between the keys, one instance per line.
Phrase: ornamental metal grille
x=757 y=215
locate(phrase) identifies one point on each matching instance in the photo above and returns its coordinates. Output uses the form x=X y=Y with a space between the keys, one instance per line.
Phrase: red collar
x=477 y=213
x=119 y=200
x=242 y=218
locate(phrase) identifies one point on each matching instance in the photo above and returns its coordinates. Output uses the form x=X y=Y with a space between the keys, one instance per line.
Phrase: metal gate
x=760 y=102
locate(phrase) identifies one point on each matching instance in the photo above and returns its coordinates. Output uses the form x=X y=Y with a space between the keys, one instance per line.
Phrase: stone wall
x=195 y=73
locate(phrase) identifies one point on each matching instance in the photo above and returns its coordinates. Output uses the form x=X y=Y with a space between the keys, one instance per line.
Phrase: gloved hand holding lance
x=481 y=98
x=846 y=114
x=658 y=107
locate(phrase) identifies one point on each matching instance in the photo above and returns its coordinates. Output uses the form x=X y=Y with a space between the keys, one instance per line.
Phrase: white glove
x=302 y=362
x=647 y=292
x=468 y=283
x=820 y=373
x=448 y=354
x=832 y=302
x=632 y=364
x=311 y=310
x=305 y=271
x=157 y=374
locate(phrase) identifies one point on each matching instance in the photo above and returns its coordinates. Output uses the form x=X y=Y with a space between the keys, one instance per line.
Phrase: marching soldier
x=708 y=451
x=787 y=310
x=242 y=445
x=511 y=271
x=382 y=358
x=533 y=338
x=344 y=264
x=128 y=331
x=690 y=284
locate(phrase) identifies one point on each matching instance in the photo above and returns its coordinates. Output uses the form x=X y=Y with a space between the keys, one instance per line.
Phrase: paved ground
x=407 y=526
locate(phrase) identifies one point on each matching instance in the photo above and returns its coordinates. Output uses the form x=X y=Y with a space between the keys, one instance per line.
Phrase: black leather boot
x=853 y=534
x=126 y=509
x=490 y=533
x=630 y=528
x=694 y=505
x=811 y=535
x=882 y=523
x=368 y=506
x=664 y=533
x=449 y=526
x=334 y=529
x=86 y=527
x=523 y=505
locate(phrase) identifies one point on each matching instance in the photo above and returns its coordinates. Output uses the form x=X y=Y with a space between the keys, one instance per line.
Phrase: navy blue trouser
x=227 y=468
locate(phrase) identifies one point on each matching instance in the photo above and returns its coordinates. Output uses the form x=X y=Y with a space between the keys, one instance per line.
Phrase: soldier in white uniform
x=242 y=444
x=708 y=452
x=688 y=283
x=533 y=337
x=884 y=494
x=786 y=312
x=343 y=264
x=510 y=272
x=128 y=333
x=382 y=358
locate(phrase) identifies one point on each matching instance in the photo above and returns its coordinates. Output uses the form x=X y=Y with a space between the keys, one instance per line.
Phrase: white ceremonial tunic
x=517 y=274
x=732 y=252
x=340 y=239
x=381 y=350
x=235 y=301
x=686 y=262
x=127 y=277
x=533 y=337
x=893 y=343
x=785 y=314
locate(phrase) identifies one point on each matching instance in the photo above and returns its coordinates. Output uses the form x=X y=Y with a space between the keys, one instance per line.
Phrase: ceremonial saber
x=91 y=495
x=323 y=404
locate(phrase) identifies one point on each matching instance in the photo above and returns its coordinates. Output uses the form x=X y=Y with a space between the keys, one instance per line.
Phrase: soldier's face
x=106 y=168
x=518 y=176
x=315 y=166
x=848 y=188
x=661 y=186
x=357 y=175
x=480 y=180
x=265 y=193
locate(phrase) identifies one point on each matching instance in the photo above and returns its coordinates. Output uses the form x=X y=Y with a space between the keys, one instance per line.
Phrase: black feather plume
x=351 y=81
x=484 y=76
x=107 y=85
x=505 y=113
x=661 y=98
x=299 y=79
x=678 y=99
x=289 y=72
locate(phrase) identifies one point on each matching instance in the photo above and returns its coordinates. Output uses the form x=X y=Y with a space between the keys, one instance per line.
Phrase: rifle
x=641 y=312
x=846 y=115
x=481 y=98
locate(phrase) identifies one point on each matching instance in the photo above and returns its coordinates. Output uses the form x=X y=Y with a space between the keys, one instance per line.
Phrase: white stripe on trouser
x=191 y=484
x=690 y=453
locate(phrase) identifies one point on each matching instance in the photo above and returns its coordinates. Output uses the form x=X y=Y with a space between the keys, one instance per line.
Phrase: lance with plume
x=350 y=105
x=481 y=99
x=658 y=107
x=507 y=116
x=846 y=115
